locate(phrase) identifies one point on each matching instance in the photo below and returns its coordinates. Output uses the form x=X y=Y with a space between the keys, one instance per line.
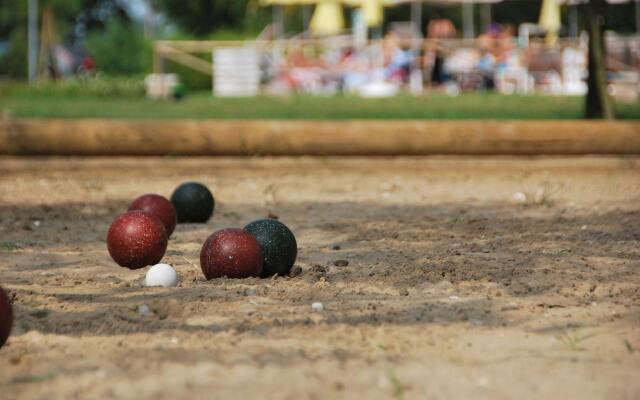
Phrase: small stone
x=341 y=263
x=317 y=268
x=39 y=313
x=317 y=307
x=144 y=310
x=336 y=247
x=520 y=197
x=295 y=271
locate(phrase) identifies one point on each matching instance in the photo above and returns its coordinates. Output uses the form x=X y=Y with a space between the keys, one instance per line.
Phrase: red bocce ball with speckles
x=157 y=205
x=6 y=317
x=233 y=253
x=137 y=239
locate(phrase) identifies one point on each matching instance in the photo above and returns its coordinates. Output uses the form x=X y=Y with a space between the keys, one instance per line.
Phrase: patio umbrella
x=327 y=18
x=550 y=20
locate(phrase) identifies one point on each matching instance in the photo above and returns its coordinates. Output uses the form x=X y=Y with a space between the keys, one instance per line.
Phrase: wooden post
x=599 y=104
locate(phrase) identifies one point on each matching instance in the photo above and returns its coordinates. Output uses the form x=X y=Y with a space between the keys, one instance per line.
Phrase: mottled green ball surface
x=278 y=244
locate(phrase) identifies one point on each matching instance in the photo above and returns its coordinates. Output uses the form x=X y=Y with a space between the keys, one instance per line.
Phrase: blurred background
x=208 y=50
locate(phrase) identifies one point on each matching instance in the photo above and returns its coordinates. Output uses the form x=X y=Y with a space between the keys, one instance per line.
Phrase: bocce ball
x=278 y=246
x=193 y=202
x=6 y=317
x=158 y=206
x=136 y=239
x=233 y=253
x=161 y=275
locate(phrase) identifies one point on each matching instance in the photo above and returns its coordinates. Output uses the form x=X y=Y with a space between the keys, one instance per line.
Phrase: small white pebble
x=144 y=310
x=454 y=298
x=483 y=381
x=161 y=275
x=519 y=197
x=583 y=227
x=36 y=223
x=317 y=307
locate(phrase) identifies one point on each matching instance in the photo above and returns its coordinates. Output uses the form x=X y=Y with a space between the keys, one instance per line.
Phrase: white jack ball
x=161 y=275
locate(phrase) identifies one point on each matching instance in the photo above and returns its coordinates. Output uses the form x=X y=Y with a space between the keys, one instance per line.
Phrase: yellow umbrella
x=327 y=18
x=550 y=20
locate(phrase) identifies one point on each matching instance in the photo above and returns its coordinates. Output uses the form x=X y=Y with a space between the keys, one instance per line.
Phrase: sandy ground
x=453 y=288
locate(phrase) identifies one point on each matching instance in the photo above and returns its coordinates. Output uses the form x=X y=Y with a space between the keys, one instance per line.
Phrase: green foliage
x=14 y=62
x=203 y=105
x=120 y=49
x=13 y=25
x=98 y=87
x=192 y=79
x=200 y=18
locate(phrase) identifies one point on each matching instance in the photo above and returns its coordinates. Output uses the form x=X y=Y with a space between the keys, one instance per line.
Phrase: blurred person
x=490 y=45
x=510 y=75
x=438 y=29
x=486 y=67
x=302 y=72
x=397 y=62
x=355 y=70
x=87 y=66
x=488 y=41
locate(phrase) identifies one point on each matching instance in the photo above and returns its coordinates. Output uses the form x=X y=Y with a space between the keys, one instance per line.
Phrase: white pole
x=467 y=21
x=33 y=40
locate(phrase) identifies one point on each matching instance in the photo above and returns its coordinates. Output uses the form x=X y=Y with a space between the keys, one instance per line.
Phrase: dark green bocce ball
x=278 y=246
x=193 y=202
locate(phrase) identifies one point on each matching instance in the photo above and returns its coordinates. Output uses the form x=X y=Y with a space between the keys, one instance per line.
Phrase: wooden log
x=284 y=137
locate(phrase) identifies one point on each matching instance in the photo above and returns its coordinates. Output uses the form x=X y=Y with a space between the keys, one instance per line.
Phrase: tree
x=72 y=17
x=202 y=17
x=119 y=49
x=599 y=104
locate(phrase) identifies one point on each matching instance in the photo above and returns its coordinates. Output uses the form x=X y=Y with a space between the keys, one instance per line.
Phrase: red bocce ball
x=157 y=205
x=233 y=253
x=6 y=317
x=137 y=239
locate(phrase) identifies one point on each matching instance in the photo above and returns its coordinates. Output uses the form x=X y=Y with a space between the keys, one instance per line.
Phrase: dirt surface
x=467 y=278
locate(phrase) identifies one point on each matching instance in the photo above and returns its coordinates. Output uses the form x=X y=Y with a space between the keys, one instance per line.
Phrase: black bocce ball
x=278 y=244
x=193 y=202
